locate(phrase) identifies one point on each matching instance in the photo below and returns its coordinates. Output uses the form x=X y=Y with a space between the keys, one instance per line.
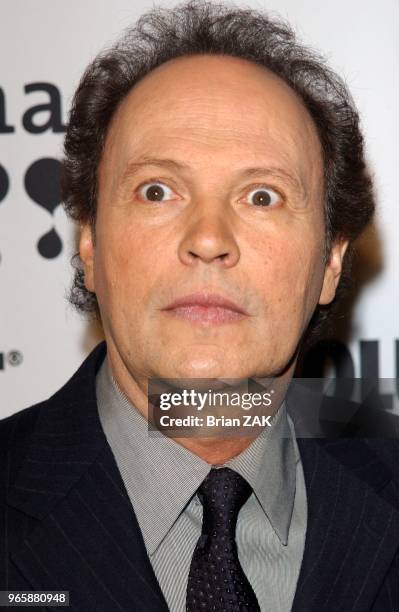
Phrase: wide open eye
x=263 y=196
x=155 y=192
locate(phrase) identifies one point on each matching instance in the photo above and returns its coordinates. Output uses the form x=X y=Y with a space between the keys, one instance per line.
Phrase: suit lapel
x=86 y=539
x=352 y=533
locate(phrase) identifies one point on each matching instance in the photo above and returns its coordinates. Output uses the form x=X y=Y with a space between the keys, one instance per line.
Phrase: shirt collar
x=161 y=476
x=269 y=465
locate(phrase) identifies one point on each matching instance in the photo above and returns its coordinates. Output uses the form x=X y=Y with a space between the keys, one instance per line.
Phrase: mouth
x=206 y=309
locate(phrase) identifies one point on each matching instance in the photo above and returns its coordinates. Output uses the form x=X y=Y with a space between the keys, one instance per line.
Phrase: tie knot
x=223 y=493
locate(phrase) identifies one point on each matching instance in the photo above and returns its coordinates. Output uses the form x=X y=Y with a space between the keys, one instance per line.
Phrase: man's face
x=211 y=183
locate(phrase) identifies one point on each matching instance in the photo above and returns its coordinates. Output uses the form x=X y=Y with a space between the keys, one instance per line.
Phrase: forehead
x=230 y=108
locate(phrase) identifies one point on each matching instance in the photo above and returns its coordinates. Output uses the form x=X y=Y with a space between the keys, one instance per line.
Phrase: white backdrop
x=42 y=340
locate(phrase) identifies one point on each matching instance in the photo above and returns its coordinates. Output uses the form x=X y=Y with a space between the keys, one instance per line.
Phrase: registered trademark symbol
x=14 y=358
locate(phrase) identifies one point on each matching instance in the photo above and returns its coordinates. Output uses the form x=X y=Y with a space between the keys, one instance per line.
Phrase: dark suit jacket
x=66 y=521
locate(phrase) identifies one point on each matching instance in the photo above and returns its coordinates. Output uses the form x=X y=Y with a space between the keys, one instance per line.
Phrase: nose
x=209 y=238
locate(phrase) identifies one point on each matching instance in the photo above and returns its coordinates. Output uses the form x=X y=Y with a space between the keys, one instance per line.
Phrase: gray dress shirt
x=161 y=478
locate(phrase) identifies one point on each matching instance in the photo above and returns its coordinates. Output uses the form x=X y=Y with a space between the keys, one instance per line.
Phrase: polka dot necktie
x=216 y=582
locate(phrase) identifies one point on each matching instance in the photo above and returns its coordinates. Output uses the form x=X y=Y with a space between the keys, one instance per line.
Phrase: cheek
x=124 y=263
x=292 y=276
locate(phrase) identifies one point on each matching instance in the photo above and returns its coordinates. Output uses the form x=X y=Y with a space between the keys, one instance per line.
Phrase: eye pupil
x=154 y=193
x=261 y=198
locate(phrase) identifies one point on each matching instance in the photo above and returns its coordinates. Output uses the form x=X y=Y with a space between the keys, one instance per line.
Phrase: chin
x=209 y=368
x=198 y=369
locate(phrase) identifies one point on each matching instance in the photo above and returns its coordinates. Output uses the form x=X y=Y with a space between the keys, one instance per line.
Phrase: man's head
x=208 y=153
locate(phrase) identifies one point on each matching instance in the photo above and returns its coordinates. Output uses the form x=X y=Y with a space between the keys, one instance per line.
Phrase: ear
x=86 y=251
x=332 y=272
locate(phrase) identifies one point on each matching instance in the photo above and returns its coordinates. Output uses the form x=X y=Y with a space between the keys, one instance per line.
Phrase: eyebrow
x=256 y=172
x=169 y=164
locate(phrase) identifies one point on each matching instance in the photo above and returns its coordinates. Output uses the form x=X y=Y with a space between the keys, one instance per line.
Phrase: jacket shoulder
x=15 y=430
x=387 y=450
x=15 y=433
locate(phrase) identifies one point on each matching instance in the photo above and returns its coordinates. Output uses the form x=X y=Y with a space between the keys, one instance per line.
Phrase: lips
x=206 y=308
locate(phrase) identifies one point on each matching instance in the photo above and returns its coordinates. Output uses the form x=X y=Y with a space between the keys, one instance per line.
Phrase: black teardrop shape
x=4 y=183
x=50 y=245
x=42 y=183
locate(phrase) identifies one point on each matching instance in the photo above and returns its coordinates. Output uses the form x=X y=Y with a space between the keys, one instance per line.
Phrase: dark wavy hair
x=199 y=27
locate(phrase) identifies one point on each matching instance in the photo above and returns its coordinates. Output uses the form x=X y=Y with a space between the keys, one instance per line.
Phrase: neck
x=215 y=450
